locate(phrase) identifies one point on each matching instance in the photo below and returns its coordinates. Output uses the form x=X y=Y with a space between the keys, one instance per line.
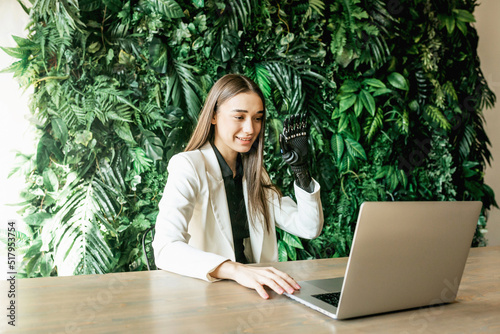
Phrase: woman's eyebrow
x=246 y=111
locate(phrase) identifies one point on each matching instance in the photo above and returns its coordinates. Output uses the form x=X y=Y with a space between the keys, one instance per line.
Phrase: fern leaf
x=318 y=6
x=241 y=11
x=262 y=79
x=437 y=116
x=289 y=85
x=77 y=237
x=190 y=88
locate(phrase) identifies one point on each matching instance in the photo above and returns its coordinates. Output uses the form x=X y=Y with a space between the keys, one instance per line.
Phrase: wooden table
x=161 y=302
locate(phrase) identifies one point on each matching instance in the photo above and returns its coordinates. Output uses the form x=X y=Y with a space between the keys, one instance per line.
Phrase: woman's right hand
x=256 y=278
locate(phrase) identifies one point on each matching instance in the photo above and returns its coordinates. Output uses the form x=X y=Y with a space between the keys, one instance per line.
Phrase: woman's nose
x=248 y=127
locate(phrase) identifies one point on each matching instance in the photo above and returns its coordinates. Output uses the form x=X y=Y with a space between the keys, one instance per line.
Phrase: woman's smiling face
x=237 y=124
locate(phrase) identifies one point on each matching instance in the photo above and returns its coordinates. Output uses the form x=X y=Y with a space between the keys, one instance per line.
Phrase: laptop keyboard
x=330 y=298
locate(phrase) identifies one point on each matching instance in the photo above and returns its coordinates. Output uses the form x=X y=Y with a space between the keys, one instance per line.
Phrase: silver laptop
x=404 y=255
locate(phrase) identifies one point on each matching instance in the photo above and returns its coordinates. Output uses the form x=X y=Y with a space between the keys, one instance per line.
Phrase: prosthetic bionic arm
x=294 y=150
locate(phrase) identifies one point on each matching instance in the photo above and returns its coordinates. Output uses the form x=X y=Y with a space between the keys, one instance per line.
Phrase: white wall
x=15 y=131
x=488 y=26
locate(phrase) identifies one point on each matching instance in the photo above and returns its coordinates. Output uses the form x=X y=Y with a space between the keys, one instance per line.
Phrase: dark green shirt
x=235 y=203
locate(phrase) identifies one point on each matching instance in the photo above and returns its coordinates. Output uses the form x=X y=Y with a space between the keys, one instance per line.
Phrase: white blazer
x=193 y=229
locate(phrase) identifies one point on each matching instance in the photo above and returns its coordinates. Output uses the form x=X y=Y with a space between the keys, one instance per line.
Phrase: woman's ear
x=214 y=119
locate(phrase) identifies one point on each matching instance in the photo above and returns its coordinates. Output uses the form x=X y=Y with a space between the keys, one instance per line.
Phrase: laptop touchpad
x=329 y=284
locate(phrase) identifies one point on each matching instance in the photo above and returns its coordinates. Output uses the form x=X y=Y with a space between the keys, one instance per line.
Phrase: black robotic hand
x=295 y=149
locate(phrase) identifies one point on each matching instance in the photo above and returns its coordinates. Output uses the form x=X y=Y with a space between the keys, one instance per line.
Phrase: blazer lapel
x=217 y=192
x=255 y=227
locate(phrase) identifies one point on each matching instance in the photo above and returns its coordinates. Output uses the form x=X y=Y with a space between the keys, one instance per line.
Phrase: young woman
x=219 y=209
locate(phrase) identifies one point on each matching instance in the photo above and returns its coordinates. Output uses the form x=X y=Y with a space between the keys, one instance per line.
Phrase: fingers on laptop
x=276 y=280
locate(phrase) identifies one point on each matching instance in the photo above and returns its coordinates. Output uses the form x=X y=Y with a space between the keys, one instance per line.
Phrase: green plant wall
x=393 y=90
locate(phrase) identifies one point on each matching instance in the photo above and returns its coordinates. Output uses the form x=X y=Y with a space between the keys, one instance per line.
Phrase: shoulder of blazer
x=203 y=160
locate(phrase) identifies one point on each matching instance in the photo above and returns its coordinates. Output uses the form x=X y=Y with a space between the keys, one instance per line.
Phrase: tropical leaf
x=241 y=10
x=368 y=101
x=190 y=88
x=168 y=8
x=152 y=145
x=398 y=81
x=354 y=148
x=158 y=53
x=338 y=145
x=373 y=124
x=118 y=86
x=260 y=75
x=318 y=6
x=140 y=160
x=198 y=3
x=80 y=246
x=347 y=101
x=288 y=87
x=437 y=116
x=227 y=46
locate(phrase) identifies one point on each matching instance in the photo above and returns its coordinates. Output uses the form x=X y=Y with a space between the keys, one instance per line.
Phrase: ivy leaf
x=398 y=81
x=83 y=137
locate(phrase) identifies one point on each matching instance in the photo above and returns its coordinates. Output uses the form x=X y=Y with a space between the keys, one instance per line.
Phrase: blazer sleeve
x=304 y=218
x=171 y=249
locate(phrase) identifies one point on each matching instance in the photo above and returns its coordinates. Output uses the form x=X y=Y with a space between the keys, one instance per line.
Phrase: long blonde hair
x=256 y=177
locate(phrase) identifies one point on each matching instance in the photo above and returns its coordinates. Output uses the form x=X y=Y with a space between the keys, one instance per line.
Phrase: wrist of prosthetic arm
x=294 y=148
x=303 y=178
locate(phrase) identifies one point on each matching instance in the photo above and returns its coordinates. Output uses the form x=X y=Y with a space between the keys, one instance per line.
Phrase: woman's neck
x=229 y=156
